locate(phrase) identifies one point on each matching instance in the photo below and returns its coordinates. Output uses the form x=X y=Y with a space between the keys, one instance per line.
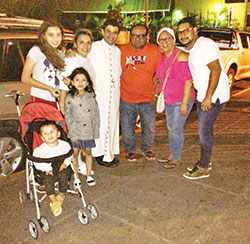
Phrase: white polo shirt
x=204 y=52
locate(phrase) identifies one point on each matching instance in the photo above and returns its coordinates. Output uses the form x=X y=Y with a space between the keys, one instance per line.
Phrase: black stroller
x=32 y=115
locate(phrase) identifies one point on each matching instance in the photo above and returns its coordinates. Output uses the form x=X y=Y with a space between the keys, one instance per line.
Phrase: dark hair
x=189 y=20
x=113 y=23
x=89 y=88
x=142 y=25
x=52 y=54
x=83 y=32
x=47 y=123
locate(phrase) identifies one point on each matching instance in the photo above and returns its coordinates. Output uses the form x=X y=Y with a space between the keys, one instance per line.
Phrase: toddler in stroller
x=49 y=157
x=58 y=170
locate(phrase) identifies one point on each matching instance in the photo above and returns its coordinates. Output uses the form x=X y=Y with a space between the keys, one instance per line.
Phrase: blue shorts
x=82 y=144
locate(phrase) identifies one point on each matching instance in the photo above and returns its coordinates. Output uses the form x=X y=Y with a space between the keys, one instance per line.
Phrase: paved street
x=143 y=203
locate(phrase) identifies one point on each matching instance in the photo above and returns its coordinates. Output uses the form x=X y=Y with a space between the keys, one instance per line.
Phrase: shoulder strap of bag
x=167 y=73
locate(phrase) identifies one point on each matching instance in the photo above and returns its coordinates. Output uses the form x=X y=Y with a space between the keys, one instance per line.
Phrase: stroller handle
x=14 y=94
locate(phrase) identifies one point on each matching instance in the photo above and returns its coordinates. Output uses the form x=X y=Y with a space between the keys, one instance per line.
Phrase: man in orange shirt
x=139 y=61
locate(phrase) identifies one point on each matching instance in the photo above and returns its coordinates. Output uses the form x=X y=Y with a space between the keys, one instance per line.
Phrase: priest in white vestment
x=105 y=58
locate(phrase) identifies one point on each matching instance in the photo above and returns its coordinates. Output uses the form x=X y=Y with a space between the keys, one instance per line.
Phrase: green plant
x=115 y=13
x=216 y=19
x=42 y=9
x=235 y=24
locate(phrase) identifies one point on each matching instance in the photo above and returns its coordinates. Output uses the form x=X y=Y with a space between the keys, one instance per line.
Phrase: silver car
x=17 y=36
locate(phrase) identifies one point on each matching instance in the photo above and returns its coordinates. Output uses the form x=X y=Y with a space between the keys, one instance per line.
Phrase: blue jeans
x=175 y=124
x=128 y=114
x=207 y=119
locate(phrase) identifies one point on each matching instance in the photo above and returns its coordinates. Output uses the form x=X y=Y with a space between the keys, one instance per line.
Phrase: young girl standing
x=44 y=63
x=82 y=118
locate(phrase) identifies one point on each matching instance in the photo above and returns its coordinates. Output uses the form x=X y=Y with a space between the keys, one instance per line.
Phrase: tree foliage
x=40 y=9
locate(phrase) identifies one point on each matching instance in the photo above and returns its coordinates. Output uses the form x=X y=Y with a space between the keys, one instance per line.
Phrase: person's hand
x=66 y=81
x=49 y=173
x=62 y=167
x=206 y=104
x=55 y=92
x=156 y=80
x=183 y=109
x=70 y=53
x=153 y=100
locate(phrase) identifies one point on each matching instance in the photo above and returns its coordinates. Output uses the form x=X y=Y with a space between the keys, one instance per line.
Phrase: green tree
x=41 y=9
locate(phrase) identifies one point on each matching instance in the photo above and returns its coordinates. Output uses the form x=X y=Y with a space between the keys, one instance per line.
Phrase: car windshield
x=217 y=36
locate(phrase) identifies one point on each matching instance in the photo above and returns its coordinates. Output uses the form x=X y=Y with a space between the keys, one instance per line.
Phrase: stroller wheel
x=82 y=216
x=94 y=213
x=33 y=229
x=22 y=196
x=44 y=225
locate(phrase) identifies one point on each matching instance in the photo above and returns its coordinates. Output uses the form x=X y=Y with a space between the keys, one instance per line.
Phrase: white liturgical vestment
x=106 y=62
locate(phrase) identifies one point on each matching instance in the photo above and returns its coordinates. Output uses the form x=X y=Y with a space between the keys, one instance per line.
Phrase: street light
x=222 y=17
x=217 y=9
x=177 y=15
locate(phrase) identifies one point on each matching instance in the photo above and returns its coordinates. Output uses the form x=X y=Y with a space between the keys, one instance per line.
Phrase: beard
x=187 y=43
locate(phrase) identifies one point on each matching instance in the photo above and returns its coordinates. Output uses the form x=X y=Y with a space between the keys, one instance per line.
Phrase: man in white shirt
x=211 y=82
x=105 y=58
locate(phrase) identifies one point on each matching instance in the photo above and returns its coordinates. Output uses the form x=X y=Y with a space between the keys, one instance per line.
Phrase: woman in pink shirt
x=178 y=93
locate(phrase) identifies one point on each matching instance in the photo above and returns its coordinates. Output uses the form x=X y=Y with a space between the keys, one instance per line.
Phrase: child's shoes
x=60 y=199
x=56 y=208
x=90 y=181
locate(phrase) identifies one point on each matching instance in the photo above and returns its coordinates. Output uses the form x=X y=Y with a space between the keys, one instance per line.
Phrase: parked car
x=17 y=36
x=234 y=46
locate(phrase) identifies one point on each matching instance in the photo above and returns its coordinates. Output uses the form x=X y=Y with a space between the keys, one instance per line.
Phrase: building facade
x=234 y=12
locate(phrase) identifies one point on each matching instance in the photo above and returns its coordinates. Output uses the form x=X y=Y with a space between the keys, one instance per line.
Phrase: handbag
x=160 y=103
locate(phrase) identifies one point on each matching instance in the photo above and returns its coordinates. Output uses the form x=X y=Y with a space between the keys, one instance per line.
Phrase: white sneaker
x=90 y=181
x=82 y=168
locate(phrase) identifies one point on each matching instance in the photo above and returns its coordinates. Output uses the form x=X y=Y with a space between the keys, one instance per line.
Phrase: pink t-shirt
x=179 y=73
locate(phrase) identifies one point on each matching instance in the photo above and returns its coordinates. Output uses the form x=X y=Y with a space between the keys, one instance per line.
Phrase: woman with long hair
x=44 y=64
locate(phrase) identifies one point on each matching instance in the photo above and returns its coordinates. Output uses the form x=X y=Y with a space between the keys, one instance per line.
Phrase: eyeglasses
x=184 y=32
x=142 y=36
x=167 y=39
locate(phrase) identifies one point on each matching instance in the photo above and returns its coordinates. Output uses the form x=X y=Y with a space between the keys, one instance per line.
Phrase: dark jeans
x=206 y=123
x=129 y=113
x=48 y=181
